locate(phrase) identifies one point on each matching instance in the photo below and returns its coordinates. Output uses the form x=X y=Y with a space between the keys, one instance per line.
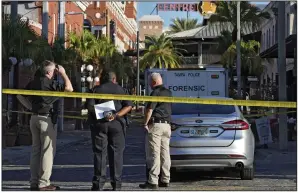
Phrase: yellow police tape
x=215 y=101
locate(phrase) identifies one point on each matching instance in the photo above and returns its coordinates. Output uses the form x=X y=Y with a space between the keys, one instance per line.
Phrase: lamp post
x=86 y=77
x=138 y=68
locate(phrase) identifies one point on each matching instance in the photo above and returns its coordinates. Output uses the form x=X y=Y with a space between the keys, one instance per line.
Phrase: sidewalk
x=274 y=152
x=18 y=154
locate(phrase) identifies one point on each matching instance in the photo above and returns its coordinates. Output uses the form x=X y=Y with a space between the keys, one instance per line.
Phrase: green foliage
x=251 y=62
x=160 y=54
x=20 y=41
x=250 y=15
x=181 y=24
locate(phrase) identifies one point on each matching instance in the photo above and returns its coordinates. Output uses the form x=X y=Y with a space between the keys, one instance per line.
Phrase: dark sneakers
x=163 y=185
x=147 y=185
x=97 y=187
x=34 y=187
x=116 y=186
x=50 y=188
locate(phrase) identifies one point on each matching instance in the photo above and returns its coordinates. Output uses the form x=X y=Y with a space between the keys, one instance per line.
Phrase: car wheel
x=247 y=174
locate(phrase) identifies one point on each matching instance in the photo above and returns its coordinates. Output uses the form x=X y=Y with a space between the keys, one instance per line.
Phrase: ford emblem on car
x=199 y=121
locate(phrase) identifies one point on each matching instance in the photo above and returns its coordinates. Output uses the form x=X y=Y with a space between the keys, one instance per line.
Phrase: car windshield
x=182 y=108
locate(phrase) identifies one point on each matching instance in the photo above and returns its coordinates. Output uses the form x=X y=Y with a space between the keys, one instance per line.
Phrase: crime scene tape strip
x=280 y=104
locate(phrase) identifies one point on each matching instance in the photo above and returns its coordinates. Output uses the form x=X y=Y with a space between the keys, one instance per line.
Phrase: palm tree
x=84 y=44
x=251 y=62
x=181 y=24
x=21 y=42
x=104 y=50
x=160 y=53
x=250 y=15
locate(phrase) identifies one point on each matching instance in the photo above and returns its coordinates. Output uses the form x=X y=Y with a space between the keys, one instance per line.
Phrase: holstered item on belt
x=54 y=116
x=151 y=121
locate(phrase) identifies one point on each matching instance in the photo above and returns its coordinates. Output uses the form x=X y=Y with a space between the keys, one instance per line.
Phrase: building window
x=273 y=37
x=97 y=33
x=269 y=38
x=54 y=24
x=288 y=25
x=267 y=35
x=145 y=27
x=263 y=41
x=150 y=26
x=156 y=27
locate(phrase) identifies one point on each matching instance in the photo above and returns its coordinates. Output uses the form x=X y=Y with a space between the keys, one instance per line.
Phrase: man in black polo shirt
x=44 y=133
x=108 y=134
x=157 y=123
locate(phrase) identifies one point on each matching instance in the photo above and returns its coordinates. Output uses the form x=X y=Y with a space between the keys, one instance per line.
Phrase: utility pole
x=14 y=68
x=282 y=92
x=238 y=52
x=138 y=67
x=14 y=10
x=45 y=19
x=61 y=31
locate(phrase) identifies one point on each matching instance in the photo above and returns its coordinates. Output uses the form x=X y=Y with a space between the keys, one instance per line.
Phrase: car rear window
x=182 y=108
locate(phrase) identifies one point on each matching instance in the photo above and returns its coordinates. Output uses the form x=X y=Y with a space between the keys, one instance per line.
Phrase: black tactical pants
x=108 y=138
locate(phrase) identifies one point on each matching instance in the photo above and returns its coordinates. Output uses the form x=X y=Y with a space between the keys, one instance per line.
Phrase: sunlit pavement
x=73 y=169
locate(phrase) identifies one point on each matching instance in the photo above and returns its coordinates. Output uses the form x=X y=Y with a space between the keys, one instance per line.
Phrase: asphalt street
x=73 y=170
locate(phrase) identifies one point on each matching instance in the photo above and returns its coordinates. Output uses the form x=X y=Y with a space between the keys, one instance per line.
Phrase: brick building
x=150 y=25
x=121 y=19
x=32 y=11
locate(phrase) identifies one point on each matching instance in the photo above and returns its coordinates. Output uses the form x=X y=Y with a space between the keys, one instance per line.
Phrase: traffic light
x=113 y=31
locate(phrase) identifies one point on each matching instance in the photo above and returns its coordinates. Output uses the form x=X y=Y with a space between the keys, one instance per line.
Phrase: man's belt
x=155 y=120
x=42 y=114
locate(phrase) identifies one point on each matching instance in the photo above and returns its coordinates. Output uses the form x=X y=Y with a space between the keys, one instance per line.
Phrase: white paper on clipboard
x=100 y=108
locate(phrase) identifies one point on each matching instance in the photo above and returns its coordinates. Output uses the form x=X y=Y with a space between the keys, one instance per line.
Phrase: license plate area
x=199 y=132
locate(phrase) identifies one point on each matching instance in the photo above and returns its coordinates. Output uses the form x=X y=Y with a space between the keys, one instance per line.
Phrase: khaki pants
x=158 y=152
x=44 y=137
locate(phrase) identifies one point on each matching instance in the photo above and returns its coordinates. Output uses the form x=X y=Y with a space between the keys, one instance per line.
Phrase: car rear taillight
x=235 y=125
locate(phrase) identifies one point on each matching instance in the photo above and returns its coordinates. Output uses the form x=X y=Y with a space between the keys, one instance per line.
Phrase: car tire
x=247 y=174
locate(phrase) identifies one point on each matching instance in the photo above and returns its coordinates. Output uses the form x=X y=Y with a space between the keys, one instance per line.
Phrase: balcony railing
x=190 y=61
x=206 y=59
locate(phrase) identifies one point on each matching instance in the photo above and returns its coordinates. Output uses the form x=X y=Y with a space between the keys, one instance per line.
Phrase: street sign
x=205 y=8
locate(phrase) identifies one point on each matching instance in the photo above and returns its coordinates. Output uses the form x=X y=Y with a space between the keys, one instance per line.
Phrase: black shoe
x=116 y=186
x=50 y=188
x=96 y=187
x=164 y=185
x=147 y=185
x=34 y=188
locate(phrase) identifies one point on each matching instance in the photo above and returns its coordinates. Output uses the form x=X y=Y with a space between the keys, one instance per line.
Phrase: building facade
x=116 y=20
x=269 y=46
x=32 y=11
x=150 y=25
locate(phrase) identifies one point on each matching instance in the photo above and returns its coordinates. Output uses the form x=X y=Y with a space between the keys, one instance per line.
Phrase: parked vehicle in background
x=196 y=82
x=211 y=136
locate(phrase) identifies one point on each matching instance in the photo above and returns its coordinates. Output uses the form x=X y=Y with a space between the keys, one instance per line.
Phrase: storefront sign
x=205 y=7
